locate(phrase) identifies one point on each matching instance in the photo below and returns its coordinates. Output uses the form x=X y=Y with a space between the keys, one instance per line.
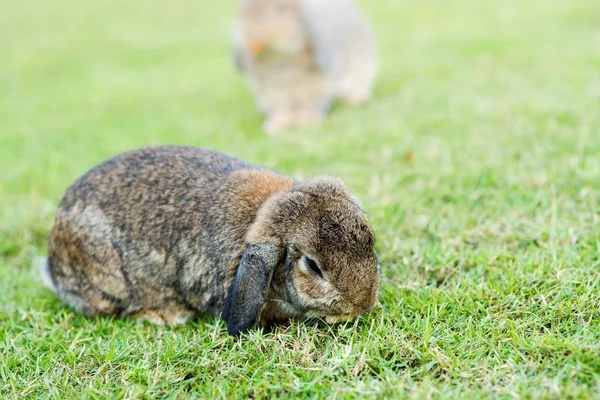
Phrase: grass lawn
x=478 y=161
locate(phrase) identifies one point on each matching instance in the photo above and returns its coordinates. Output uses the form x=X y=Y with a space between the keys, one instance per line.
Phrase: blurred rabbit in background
x=301 y=55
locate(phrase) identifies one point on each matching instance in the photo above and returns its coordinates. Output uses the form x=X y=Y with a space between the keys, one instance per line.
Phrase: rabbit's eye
x=312 y=265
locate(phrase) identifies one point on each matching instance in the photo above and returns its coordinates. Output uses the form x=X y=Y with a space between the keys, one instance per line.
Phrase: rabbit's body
x=161 y=234
x=301 y=55
x=147 y=230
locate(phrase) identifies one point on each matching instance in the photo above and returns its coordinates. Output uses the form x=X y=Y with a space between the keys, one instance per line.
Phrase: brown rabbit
x=168 y=233
x=301 y=55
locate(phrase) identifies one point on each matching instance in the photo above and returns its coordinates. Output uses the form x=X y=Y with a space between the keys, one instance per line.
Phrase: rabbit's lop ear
x=322 y=31
x=248 y=291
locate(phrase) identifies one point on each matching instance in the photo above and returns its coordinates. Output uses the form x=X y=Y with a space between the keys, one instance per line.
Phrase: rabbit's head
x=272 y=26
x=310 y=254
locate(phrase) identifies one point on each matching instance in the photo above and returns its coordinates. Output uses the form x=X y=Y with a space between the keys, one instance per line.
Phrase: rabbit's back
x=166 y=166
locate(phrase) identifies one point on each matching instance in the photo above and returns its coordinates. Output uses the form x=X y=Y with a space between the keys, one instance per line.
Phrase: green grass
x=478 y=160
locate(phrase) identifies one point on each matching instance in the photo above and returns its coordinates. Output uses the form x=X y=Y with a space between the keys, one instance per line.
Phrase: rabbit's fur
x=168 y=233
x=301 y=55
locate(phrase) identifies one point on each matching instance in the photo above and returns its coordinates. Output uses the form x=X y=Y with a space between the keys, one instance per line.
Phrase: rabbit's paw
x=277 y=123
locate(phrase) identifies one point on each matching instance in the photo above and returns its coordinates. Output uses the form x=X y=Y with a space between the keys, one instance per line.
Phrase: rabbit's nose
x=256 y=47
x=367 y=299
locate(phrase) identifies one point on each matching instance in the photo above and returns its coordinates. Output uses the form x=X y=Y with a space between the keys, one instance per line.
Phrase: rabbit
x=302 y=55
x=169 y=233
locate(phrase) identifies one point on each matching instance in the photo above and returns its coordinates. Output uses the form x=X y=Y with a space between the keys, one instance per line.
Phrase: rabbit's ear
x=245 y=3
x=322 y=30
x=248 y=291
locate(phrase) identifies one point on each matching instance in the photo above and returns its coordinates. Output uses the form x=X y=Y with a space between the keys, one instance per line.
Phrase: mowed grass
x=478 y=160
